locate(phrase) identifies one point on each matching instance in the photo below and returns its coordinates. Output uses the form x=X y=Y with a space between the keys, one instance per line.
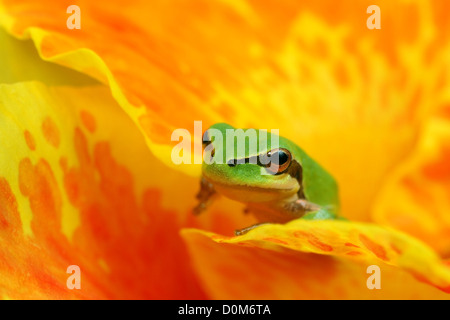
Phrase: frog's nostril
x=231 y=163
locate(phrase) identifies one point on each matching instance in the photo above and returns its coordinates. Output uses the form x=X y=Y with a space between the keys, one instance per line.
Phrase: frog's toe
x=243 y=231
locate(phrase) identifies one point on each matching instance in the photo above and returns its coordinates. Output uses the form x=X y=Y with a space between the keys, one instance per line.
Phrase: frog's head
x=249 y=165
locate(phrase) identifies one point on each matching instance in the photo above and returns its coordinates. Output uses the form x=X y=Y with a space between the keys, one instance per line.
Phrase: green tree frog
x=289 y=186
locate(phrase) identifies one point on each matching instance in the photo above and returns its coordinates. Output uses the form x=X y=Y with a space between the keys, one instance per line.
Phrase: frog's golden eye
x=280 y=159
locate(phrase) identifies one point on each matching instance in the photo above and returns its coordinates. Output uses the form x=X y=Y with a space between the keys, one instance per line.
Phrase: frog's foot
x=321 y=214
x=300 y=207
x=199 y=208
x=243 y=231
x=204 y=196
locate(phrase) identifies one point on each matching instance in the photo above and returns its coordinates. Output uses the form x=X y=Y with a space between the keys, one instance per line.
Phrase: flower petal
x=78 y=186
x=245 y=272
x=416 y=198
x=349 y=243
x=20 y=62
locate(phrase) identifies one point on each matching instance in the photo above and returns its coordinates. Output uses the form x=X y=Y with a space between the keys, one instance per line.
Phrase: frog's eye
x=206 y=142
x=206 y=138
x=232 y=163
x=280 y=159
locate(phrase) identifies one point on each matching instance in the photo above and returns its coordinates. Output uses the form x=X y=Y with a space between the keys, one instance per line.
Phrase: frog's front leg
x=240 y=232
x=204 y=196
x=310 y=211
x=284 y=212
x=300 y=207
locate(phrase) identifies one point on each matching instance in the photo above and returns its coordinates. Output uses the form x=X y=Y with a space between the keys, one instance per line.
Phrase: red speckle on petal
x=51 y=132
x=354 y=253
x=276 y=241
x=29 y=140
x=9 y=215
x=313 y=240
x=396 y=249
x=88 y=121
x=38 y=183
x=321 y=245
x=301 y=234
x=420 y=277
x=377 y=249
x=348 y=244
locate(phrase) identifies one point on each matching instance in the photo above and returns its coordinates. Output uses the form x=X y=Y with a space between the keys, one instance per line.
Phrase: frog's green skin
x=304 y=190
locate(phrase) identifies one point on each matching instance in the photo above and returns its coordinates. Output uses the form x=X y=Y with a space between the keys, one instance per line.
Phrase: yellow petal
x=19 y=62
x=350 y=243
x=78 y=186
x=246 y=272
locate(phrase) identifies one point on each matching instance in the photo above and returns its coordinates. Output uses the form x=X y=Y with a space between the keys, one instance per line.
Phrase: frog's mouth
x=288 y=186
x=253 y=194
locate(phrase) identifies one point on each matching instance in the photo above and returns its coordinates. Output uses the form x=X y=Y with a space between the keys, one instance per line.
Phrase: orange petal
x=349 y=247
x=416 y=198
